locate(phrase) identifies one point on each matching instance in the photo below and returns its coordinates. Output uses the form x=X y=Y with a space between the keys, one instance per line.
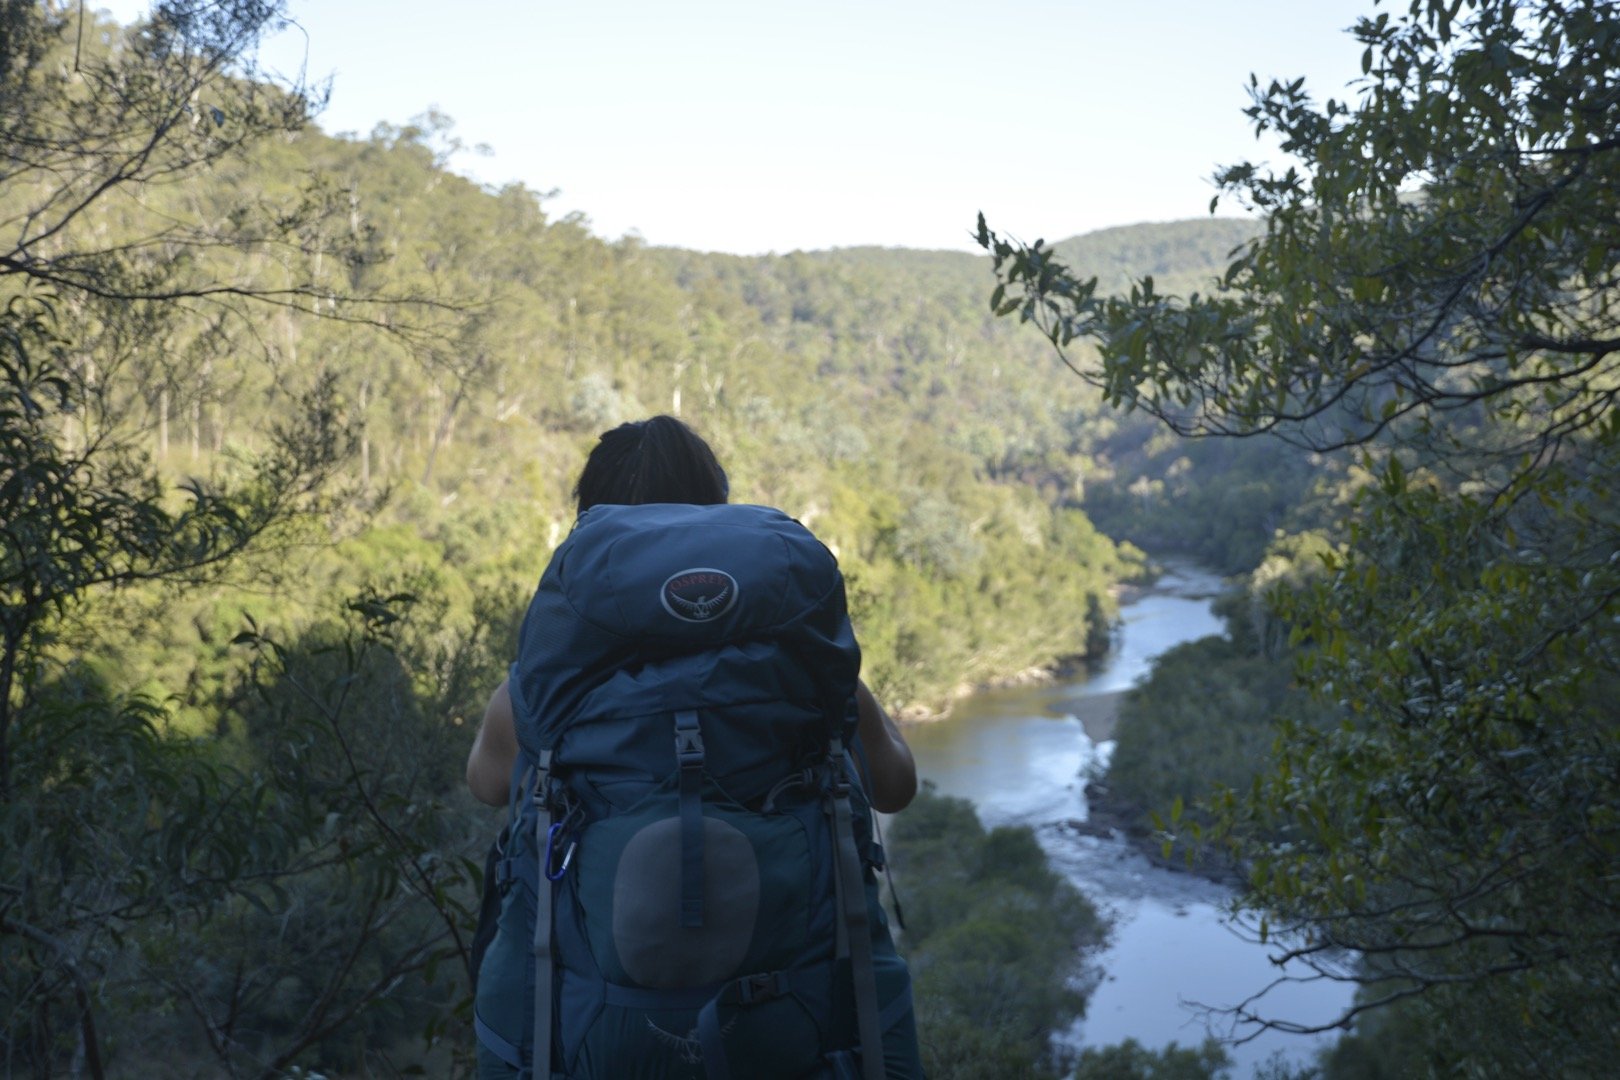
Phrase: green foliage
x=249 y=902
x=1437 y=286
x=208 y=903
x=83 y=515
x=1130 y=1060
x=1179 y=255
x=1459 y=806
x=126 y=832
x=1219 y=501
x=1385 y=1043
x=1205 y=720
x=991 y=936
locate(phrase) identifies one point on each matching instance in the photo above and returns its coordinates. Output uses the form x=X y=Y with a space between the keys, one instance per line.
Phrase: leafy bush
x=992 y=936
x=1130 y=1060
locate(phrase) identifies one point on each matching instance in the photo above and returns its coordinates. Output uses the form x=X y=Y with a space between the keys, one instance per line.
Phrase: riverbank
x=1112 y=818
x=1040 y=675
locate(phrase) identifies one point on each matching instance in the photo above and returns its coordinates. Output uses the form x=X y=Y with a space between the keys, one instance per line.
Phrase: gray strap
x=715 y=1064
x=689 y=756
x=748 y=990
x=646 y=997
x=852 y=898
x=843 y=1066
x=877 y=842
x=896 y=1010
x=542 y=926
x=492 y=1041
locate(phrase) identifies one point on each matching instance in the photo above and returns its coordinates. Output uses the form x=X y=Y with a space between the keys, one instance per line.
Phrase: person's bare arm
x=891 y=770
x=494 y=751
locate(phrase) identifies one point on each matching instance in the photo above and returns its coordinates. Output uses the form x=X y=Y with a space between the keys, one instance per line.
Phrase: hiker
x=767 y=805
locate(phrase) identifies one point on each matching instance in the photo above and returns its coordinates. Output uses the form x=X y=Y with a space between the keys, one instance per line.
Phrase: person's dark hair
x=658 y=460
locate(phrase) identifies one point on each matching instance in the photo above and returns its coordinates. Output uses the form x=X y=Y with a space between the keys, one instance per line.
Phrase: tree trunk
x=677 y=369
x=447 y=424
x=365 y=436
x=573 y=338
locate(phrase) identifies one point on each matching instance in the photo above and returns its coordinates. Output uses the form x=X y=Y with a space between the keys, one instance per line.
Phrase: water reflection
x=1021 y=756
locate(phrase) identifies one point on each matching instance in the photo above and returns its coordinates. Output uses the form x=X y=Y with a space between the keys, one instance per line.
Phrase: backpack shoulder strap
x=854 y=925
x=542 y=921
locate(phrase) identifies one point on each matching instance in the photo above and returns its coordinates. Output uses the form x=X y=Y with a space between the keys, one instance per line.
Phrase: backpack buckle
x=761 y=987
x=689 y=749
x=548 y=793
x=689 y=744
x=840 y=784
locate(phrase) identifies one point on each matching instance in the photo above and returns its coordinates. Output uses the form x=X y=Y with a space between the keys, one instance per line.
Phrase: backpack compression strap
x=856 y=924
x=542 y=923
x=689 y=755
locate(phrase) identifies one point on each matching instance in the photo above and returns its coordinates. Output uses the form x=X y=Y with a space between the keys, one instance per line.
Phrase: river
x=1021 y=756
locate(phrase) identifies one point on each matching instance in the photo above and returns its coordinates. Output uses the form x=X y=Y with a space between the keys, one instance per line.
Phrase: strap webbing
x=689 y=755
x=715 y=1065
x=878 y=858
x=646 y=997
x=852 y=898
x=741 y=992
x=492 y=1041
x=896 y=1010
x=843 y=1065
x=542 y=926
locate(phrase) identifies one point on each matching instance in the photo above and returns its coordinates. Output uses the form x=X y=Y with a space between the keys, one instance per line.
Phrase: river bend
x=1021 y=755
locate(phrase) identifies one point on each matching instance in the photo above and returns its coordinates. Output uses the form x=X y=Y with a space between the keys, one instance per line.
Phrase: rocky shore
x=1111 y=817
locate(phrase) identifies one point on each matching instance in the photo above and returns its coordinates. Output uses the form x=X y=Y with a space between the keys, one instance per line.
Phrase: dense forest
x=290 y=424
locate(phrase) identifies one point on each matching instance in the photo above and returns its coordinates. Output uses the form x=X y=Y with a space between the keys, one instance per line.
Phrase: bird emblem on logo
x=699 y=594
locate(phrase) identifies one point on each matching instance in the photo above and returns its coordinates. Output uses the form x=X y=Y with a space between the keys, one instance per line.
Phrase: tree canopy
x=133 y=863
x=1436 y=289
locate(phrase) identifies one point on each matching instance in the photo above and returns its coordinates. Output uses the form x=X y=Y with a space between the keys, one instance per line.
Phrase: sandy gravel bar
x=1097 y=713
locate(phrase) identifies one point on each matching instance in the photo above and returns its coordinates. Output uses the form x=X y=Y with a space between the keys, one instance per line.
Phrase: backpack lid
x=659 y=582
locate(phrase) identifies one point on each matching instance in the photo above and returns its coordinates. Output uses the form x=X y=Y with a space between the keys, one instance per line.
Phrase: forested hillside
x=290 y=424
x=946 y=460
x=1180 y=256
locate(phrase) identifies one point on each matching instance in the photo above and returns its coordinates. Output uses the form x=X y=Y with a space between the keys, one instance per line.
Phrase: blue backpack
x=687 y=875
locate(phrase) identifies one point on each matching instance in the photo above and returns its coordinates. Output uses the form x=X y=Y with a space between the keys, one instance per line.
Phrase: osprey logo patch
x=699 y=594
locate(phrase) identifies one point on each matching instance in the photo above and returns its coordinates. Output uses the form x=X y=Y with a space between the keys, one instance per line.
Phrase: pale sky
x=750 y=126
